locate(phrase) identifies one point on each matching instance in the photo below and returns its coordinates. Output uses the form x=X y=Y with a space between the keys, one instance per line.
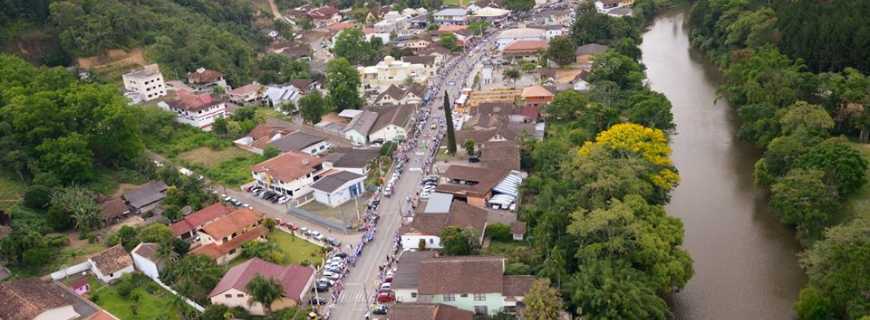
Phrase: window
x=464 y=295
x=228 y=295
x=480 y=310
x=239 y=295
x=413 y=294
x=479 y=297
x=449 y=298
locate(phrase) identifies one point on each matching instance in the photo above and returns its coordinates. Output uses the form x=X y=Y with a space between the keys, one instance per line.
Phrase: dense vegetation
x=599 y=183
x=795 y=116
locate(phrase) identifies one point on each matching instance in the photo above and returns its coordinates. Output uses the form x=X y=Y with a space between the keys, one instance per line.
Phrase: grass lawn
x=210 y=158
x=295 y=250
x=514 y=251
x=859 y=203
x=75 y=253
x=153 y=302
x=232 y=172
x=11 y=189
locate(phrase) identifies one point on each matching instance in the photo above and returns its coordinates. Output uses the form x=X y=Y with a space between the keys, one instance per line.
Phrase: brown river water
x=745 y=261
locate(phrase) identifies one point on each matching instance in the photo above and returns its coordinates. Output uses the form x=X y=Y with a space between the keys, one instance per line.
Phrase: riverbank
x=744 y=259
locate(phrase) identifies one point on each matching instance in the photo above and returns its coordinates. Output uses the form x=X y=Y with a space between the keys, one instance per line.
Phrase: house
x=524 y=50
x=621 y=12
x=537 y=96
x=222 y=238
x=278 y=95
x=507 y=37
x=232 y=289
x=586 y=52
x=259 y=138
x=471 y=283
x=113 y=210
x=427 y=226
x=606 y=6
x=581 y=82
x=413 y=44
x=145 y=259
x=191 y=224
x=301 y=142
x=451 y=16
x=499 y=95
x=305 y=86
x=296 y=51
x=145 y=84
x=431 y=62
x=392 y=22
x=518 y=230
x=251 y=93
x=503 y=155
x=291 y=173
x=492 y=15
x=357 y=131
x=392 y=124
x=395 y=95
x=472 y=184
x=34 y=299
x=205 y=79
x=427 y=311
x=146 y=197
x=353 y=160
x=406 y=276
x=552 y=31
x=323 y=16
x=338 y=187
x=111 y=264
x=198 y=110
x=391 y=72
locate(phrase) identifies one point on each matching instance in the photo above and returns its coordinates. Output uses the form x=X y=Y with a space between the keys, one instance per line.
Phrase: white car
x=283 y=200
x=386 y=286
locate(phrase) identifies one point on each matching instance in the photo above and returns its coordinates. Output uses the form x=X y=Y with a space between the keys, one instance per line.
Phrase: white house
x=251 y=93
x=291 y=173
x=357 y=131
x=391 y=72
x=441 y=212
x=337 y=188
x=353 y=160
x=392 y=123
x=451 y=16
x=111 y=264
x=231 y=291
x=507 y=36
x=146 y=83
x=198 y=110
x=392 y=21
x=145 y=259
x=278 y=95
x=395 y=95
x=301 y=142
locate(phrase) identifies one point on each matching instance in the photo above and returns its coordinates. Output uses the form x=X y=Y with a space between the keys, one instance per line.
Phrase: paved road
x=361 y=285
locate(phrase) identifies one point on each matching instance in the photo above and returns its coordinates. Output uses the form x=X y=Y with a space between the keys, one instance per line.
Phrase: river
x=744 y=259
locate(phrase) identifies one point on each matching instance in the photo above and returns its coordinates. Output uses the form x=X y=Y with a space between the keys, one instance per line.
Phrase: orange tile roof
x=288 y=166
x=235 y=222
x=526 y=45
x=536 y=91
x=215 y=251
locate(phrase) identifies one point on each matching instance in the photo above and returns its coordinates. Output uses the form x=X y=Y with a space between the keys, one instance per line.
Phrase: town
x=416 y=160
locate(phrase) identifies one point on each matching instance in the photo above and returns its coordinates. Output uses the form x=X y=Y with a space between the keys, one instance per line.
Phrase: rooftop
x=333 y=181
x=461 y=215
x=246 y=89
x=408 y=267
x=199 y=218
x=536 y=91
x=146 y=194
x=25 y=299
x=427 y=311
x=288 y=166
x=451 y=12
x=353 y=158
x=526 y=45
x=293 y=279
x=363 y=123
x=522 y=33
x=203 y=76
x=192 y=102
x=112 y=260
x=215 y=251
x=232 y=223
x=465 y=274
x=147 y=250
x=395 y=115
x=590 y=48
x=296 y=141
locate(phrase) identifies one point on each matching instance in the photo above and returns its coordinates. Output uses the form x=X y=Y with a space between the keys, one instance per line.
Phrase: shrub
x=499 y=232
x=37 y=197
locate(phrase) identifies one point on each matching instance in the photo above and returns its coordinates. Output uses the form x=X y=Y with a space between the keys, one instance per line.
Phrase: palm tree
x=265 y=291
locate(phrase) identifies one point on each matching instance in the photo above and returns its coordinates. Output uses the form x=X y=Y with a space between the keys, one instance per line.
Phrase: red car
x=386 y=297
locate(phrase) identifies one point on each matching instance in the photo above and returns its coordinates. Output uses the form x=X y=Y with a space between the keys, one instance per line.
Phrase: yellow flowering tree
x=629 y=140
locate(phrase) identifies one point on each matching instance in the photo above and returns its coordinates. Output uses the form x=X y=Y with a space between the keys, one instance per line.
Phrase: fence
x=76 y=269
x=313 y=218
x=189 y=302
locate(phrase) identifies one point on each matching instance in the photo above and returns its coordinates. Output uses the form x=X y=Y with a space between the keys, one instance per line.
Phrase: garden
x=135 y=296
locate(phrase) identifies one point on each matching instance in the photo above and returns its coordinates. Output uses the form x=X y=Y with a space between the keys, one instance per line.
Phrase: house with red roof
x=524 y=50
x=324 y=16
x=222 y=238
x=232 y=290
x=191 y=224
x=537 y=96
x=198 y=110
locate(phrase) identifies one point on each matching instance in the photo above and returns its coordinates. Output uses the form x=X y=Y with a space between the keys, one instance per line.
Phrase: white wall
x=66 y=312
x=317 y=148
x=146 y=266
x=340 y=195
x=107 y=278
x=389 y=133
x=410 y=241
x=405 y=295
x=79 y=268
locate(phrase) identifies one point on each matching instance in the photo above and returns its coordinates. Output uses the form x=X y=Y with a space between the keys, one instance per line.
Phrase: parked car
x=317 y=301
x=380 y=309
x=386 y=286
x=386 y=297
x=334 y=242
x=322 y=287
x=341 y=255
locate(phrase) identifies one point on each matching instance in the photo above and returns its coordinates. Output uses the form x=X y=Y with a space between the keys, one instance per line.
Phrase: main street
x=361 y=285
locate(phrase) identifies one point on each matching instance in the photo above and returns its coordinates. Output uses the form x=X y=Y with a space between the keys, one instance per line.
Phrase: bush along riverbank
x=599 y=182
x=811 y=126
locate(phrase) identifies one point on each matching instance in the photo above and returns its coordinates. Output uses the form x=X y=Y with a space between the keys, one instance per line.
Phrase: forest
x=796 y=82
x=599 y=182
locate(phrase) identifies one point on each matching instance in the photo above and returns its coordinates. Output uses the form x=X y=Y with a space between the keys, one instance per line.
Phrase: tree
x=554 y=267
x=351 y=44
x=844 y=166
x=806 y=118
x=568 y=105
x=449 y=41
x=542 y=302
x=156 y=233
x=513 y=74
x=271 y=152
x=626 y=72
x=263 y=250
x=519 y=5
x=833 y=265
x=803 y=200
x=469 y=146
x=193 y=276
x=448 y=117
x=457 y=242
x=37 y=197
x=312 y=107
x=219 y=127
x=499 y=232
x=607 y=289
x=67 y=158
x=78 y=203
x=343 y=83
x=478 y=27
x=265 y=291
x=127 y=237
x=650 y=109
x=270 y=224
x=561 y=50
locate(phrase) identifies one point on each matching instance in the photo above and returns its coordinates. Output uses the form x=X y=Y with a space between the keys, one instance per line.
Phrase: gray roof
x=147 y=194
x=424 y=60
x=363 y=123
x=396 y=115
x=451 y=12
x=439 y=203
x=591 y=48
x=332 y=182
x=408 y=267
x=296 y=141
x=353 y=158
